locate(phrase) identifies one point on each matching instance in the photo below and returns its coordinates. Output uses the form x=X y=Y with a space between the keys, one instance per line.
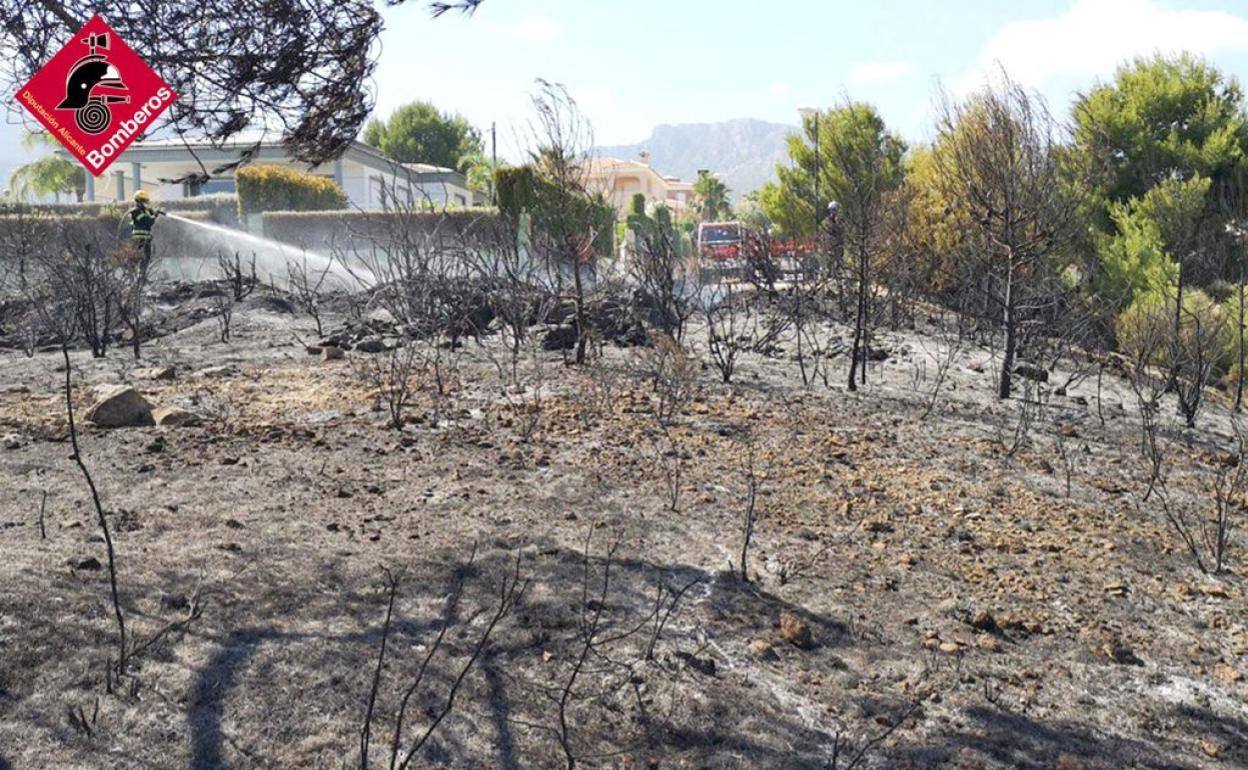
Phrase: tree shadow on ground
x=1007 y=739
x=1226 y=732
x=495 y=704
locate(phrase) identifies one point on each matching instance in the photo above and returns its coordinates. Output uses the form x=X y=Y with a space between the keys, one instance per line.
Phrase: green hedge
x=267 y=187
x=319 y=230
x=222 y=207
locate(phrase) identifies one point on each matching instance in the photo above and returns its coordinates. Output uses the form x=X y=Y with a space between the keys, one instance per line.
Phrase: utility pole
x=818 y=172
x=493 y=161
x=813 y=114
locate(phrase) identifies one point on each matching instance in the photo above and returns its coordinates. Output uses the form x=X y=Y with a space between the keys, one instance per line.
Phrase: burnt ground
x=961 y=605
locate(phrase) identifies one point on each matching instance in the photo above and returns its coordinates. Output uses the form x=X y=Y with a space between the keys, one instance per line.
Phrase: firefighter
x=142 y=217
x=836 y=233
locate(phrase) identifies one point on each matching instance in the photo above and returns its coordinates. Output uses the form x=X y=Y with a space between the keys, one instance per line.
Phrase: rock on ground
x=175 y=416
x=120 y=406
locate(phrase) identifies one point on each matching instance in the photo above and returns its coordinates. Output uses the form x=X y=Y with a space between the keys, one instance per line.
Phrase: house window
x=216 y=186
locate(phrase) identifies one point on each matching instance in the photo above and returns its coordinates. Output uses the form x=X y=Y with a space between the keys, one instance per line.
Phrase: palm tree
x=711 y=196
x=478 y=170
x=49 y=175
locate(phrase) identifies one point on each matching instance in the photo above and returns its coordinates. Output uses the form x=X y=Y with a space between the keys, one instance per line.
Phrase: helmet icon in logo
x=89 y=76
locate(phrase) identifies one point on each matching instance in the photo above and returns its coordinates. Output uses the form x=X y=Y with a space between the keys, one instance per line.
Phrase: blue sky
x=635 y=64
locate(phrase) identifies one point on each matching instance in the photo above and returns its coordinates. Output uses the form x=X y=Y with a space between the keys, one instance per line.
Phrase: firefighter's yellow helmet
x=142 y=196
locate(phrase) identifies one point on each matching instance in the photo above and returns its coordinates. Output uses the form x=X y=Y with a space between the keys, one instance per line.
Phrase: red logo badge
x=96 y=95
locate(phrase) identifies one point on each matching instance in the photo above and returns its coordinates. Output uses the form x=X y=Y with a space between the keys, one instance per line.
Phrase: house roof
x=600 y=165
x=605 y=167
x=166 y=149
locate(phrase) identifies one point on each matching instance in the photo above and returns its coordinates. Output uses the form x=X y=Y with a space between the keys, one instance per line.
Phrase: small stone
x=988 y=642
x=90 y=564
x=1227 y=674
x=1215 y=590
x=332 y=353
x=762 y=649
x=1211 y=749
x=795 y=631
x=175 y=417
x=878 y=526
x=371 y=345
x=173 y=602
x=1118 y=652
x=11 y=441
x=704 y=666
x=950 y=647
x=984 y=621
x=163 y=373
x=1116 y=588
x=218 y=372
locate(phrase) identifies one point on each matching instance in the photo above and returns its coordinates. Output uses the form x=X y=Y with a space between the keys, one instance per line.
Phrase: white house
x=371 y=181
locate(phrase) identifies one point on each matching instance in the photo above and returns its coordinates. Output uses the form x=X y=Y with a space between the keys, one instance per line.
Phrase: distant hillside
x=744 y=152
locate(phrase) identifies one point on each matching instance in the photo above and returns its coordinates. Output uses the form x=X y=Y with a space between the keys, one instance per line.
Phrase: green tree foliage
x=1154 y=234
x=659 y=224
x=784 y=211
x=1157 y=158
x=637 y=206
x=419 y=133
x=861 y=152
x=49 y=175
x=478 y=169
x=266 y=187
x=843 y=135
x=750 y=212
x=710 y=197
x=933 y=224
x=1146 y=329
x=1160 y=117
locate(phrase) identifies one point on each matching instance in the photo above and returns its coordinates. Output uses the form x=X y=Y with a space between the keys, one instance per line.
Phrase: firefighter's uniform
x=142 y=217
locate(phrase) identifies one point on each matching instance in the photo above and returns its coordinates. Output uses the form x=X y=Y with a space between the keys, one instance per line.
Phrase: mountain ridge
x=743 y=152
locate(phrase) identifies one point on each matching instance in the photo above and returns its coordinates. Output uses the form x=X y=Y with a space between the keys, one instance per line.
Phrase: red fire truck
x=725 y=245
x=720 y=240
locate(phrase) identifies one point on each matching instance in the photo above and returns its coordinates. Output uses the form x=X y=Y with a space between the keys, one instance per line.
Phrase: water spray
x=272 y=257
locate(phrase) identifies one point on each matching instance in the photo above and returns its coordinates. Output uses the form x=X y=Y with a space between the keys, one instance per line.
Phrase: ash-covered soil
x=946 y=602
